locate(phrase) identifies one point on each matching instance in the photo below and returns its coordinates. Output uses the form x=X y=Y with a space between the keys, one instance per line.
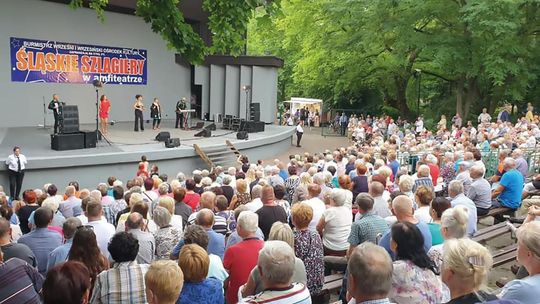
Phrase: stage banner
x=63 y=62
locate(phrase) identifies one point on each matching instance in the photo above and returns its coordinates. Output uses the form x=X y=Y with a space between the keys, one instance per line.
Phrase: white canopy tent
x=313 y=105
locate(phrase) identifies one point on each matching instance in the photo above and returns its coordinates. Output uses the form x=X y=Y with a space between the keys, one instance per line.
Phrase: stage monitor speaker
x=211 y=127
x=172 y=142
x=60 y=142
x=163 y=136
x=242 y=135
x=198 y=125
x=203 y=133
x=90 y=139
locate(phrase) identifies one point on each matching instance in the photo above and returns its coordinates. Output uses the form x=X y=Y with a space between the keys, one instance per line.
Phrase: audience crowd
x=269 y=233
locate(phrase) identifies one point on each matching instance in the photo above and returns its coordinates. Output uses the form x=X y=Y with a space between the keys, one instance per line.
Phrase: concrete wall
x=232 y=93
x=22 y=103
x=265 y=91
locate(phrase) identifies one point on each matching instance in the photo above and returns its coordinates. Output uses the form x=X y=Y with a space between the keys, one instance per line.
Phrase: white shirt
x=380 y=207
x=318 y=209
x=255 y=204
x=104 y=232
x=337 y=228
x=299 y=129
x=12 y=162
x=422 y=214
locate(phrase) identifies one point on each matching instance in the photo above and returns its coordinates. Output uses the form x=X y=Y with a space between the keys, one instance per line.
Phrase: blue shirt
x=526 y=290
x=42 y=242
x=216 y=244
x=462 y=200
x=394 y=165
x=513 y=185
x=59 y=255
x=207 y=291
x=424 y=229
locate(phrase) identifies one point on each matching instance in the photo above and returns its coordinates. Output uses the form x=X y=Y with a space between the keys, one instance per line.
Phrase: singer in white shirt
x=16 y=163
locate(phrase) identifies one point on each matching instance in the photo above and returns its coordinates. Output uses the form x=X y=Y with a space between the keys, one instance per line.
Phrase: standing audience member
x=370 y=274
x=360 y=181
x=12 y=249
x=526 y=290
x=335 y=224
x=240 y=259
x=147 y=244
x=198 y=289
x=308 y=246
x=465 y=267
x=67 y=283
x=124 y=281
x=103 y=230
x=458 y=198
x=163 y=281
x=42 y=241
x=60 y=254
x=269 y=213
x=413 y=279
x=276 y=265
x=19 y=282
x=316 y=204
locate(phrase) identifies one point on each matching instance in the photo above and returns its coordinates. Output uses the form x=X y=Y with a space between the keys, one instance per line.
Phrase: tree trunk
x=471 y=96
x=460 y=91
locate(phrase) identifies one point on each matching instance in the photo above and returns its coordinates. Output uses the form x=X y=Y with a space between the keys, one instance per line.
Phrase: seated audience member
x=191 y=198
x=464 y=176
x=423 y=197
x=8 y=213
x=167 y=236
x=508 y=192
x=167 y=202
x=234 y=238
x=196 y=234
x=405 y=185
x=279 y=193
x=103 y=230
x=198 y=288
x=119 y=203
x=276 y=265
x=223 y=211
x=110 y=285
x=360 y=181
x=216 y=243
x=255 y=202
x=380 y=204
x=140 y=206
x=147 y=243
x=480 y=190
x=21 y=282
x=335 y=224
x=370 y=274
x=465 y=267
x=436 y=209
x=367 y=225
x=453 y=226
x=60 y=254
x=279 y=232
x=12 y=249
x=241 y=196
x=413 y=279
x=208 y=201
x=163 y=281
x=531 y=188
x=526 y=290
x=42 y=241
x=67 y=283
x=85 y=250
x=317 y=205
x=72 y=205
x=180 y=207
x=458 y=198
x=240 y=259
x=308 y=246
x=424 y=178
x=270 y=212
x=402 y=208
x=31 y=205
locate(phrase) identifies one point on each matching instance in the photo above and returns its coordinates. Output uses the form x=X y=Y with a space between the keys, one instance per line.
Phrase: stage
x=120 y=158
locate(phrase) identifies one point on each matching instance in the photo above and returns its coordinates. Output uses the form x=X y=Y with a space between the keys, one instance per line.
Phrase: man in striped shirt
x=19 y=282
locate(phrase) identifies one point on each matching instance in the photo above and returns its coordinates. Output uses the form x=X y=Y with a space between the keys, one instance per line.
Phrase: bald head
x=205 y=218
x=208 y=200
x=402 y=206
x=267 y=196
x=376 y=189
x=135 y=221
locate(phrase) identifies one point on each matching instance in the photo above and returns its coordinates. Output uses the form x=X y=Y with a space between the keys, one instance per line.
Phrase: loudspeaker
x=255 y=111
x=242 y=135
x=255 y=115
x=172 y=143
x=198 y=125
x=211 y=127
x=255 y=106
x=163 y=136
x=90 y=139
x=60 y=142
x=252 y=126
x=203 y=133
x=69 y=121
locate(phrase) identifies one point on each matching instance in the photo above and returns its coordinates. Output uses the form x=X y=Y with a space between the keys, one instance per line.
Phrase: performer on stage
x=16 y=163
x=56 y=107
x=139 y=107
x=180 y=105
x=155 y=113
x=104 y=109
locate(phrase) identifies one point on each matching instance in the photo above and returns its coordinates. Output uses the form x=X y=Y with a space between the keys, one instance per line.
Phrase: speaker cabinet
x=203 y=133
x=90 y=139
x=73 y=141
x=242 y=135
x=211 y=127
x=163 y=136
x=69 y=121
x=172 y=142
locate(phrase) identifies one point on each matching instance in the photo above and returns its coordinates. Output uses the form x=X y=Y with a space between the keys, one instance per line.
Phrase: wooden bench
x=490 y=232
x=332 y=284
x=496 y=211
x=505 y=255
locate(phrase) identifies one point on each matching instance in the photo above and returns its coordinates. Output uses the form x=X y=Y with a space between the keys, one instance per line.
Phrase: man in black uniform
x=56 y=107
x=180 y=105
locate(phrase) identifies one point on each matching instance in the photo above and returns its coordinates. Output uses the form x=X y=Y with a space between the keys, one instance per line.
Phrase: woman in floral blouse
x=167 y=236
x=308 y=247
x=448 y=172
x=414 y=279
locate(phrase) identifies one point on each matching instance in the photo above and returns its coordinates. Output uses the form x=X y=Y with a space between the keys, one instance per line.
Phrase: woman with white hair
x=167 y=236
x=453 y=226
x=335 y=224
x=58 y=219
x=305 y=181
x=448 y=172
x=465 y=270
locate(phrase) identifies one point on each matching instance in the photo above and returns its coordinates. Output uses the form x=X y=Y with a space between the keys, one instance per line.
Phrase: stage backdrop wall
x=22 y=103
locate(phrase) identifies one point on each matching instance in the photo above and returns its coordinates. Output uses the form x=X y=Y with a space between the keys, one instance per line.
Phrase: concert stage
x=120 y=159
